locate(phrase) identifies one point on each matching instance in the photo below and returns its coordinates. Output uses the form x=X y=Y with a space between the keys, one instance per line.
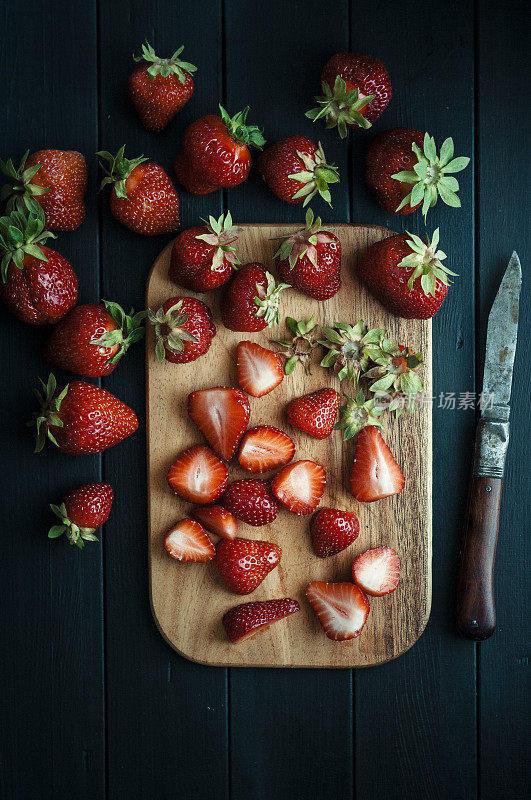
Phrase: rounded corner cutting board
x=188 y=601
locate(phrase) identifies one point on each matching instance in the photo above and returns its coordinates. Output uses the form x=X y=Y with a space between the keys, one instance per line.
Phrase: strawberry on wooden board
x=243 y=621
x=300 y=486
x=142 y=196
x=333 y=531
x=342 y=608
x=183 y=329
x=159 y=87
x=38 y=285
x=203 y=258
x=375 y=473
x=55 y=180
x=187 y=541
x=404 y=171
x=221 y=414
x=244 y=563
x=295 y=169
x=92 y=338
x=215 y=152
x=217 y=521
x=377 y=571
x=259 y=370
x=198 y=475
x=356 y=89
x=82 y=511
x=251 y=501
x=315 y=413
x=81 y=418
x=310 y=259
x=250 y=300
x=265 y=448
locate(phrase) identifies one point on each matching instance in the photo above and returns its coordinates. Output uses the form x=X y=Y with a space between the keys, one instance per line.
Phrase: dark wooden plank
x=52 y=668
x=502 y=226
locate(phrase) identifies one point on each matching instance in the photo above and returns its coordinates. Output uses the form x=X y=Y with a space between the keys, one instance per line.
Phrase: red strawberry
x=404 y=170
x=406 y=275
x=333 y=531
x=215 y=151
x=55 y=180
x=38 y=285
x=375 y=473
x=159 y=87
x=92 y=338
x=82 y=511
x=259 y=370
x=221 y=414
x=243 y=621
x=81 y=418
x=250 y=301
x=197 y=475
x=377 y=571
x=315 y=413
x=183 y=329
x=356 y=89
x=243 y=563
x=217 y=520
x=188 y=541
x=142 y=196
x=300 y=486
x=251 y=501
x=203 y=258
x=295 y=169
x=265 y=448
x=310 y=259
x=342 y=608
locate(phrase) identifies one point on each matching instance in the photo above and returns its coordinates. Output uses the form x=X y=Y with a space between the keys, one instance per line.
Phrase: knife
x=476 y=614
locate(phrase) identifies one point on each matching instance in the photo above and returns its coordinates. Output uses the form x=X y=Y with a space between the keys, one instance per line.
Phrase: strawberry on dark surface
x=333 y=531
x=250 y=301
x=183 y=329
x=197 y=475
x=222 y=415
x=244 y=563
x=315 y=413
x=300 y=486
x=187 y=541
x=295 y=169
x=265 y=448
x=377 y=571
x=375 y=473
x=244 y=621
x=217 y=521
x=342 y=608
x=251 y=501
x=82 y=511
x=259 y=370
x=203 y=257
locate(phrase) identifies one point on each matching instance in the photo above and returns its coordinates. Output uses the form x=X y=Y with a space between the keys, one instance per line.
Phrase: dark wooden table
x=95 y=704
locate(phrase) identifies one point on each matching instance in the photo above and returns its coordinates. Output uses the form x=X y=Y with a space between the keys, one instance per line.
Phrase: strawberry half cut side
x=375 y=473
x=259 y=370
x=377 y=571
x=188 y=541
x=342 y=608
x=265 y=448
x=222 y=415
x=197 y=475
x=217 y=520
x=300 y=486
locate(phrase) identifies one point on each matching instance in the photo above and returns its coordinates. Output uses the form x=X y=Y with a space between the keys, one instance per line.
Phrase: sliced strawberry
x=342 y=608
x=251 y=501
x=375 y=473
x=244 y=563
x=188 y=541
x=217 y=520
x=243 y=621
x=198 y=475
x=300 y=486
x=332 y=531
x=377 y=571
x=259 y=370
x=265 y=448
x=221 y=414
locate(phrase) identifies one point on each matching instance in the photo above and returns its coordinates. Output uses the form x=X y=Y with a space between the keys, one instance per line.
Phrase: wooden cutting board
x=188 y=601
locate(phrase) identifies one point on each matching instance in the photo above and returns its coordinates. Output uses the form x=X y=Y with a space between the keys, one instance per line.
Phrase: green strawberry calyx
x=341 y=107
x=119 y=169
x=21 y=233
x=237 y=128
x=165 y=66
x=74 y=533
x=397 y=384
x=221 y=234
x=431 y=176
x=357 y=413
x=350 y=348
x=48 y=413
x=128 y=331
x=315 y=177
x=169 y=330
x=268 y=300
x=303 y=243
x=425 y=262
x=298 y=349
x=20 y=192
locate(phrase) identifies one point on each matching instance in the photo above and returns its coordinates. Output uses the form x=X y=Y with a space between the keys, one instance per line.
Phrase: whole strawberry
x=406 y=275
x=203 y=258
x=250 y=301
x=82 y=511
x=92 y=338
x=183 y=330
x=215 y=152
x=55 y=180
x=310 y=259
x=404 y=171
x=243 y=563
x=295 y=169
x=356 y=89
x=81 y=418
x=315 y=413
x=142 y=196
x=251 y=501
x=332 y=531
x=159 y=87
x=38 y=285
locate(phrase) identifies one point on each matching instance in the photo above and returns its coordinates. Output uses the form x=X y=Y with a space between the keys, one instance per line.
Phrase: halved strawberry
x=198 y=475
x=259 y=370
x=265 y=448
x=342 y=608
x=243 y=621
x=244 y=563
x=217 y=520
x=377 y=571
x=188 y=541
x=300 y=486
x=375 y=473
x=221 y=414
x=332 y=531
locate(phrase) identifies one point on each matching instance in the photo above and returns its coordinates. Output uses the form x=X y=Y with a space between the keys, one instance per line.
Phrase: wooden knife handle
x=476 y=614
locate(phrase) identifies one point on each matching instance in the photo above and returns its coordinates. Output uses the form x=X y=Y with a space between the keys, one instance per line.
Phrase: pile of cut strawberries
x=45 y=194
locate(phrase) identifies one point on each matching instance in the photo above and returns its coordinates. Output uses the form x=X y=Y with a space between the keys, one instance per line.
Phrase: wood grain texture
x=189 y=601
